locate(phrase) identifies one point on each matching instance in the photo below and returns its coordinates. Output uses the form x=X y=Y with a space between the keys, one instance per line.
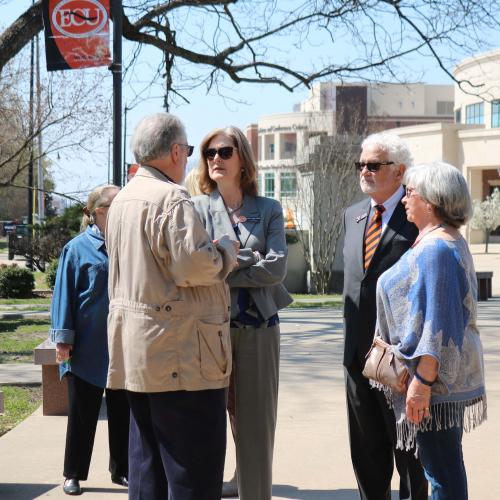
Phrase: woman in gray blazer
x=231 y=206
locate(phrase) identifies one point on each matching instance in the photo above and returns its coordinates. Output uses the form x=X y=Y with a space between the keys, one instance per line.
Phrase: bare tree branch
x=236 y=38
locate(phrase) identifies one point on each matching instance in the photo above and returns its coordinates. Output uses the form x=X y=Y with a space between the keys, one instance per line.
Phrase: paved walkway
x=20 y=374
x=311 y=457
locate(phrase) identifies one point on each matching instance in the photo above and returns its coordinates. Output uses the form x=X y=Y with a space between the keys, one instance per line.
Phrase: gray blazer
x=263 y=231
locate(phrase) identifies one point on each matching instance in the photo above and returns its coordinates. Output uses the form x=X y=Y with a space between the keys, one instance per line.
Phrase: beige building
x=472 y=143
x=283 y=141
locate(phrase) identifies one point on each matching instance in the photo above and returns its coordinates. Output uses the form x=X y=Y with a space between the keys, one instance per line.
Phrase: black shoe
x=72 y=487
x=230 y=488
x=121 y=480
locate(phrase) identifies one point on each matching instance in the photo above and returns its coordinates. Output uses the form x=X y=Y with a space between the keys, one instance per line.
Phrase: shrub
x=50 y=274
x=16 y=282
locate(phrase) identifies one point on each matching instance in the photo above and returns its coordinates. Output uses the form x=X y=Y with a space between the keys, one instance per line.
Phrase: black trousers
x=372 y=437
x=84 y=404
x=177 y=445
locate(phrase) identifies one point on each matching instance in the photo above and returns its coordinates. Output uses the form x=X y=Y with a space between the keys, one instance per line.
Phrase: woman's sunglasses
x=225 y=153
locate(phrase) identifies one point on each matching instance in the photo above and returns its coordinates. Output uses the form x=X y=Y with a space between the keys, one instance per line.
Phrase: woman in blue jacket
x=79 y=318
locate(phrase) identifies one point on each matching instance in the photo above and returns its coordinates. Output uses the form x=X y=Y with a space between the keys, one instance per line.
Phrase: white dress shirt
x=389 y=206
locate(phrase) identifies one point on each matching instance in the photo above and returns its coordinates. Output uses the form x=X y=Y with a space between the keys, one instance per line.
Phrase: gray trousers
x=252 y=407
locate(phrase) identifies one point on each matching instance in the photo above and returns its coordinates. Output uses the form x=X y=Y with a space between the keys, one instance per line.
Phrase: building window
x=474 y=114
x=444 y=107
x=288 y=181
x=288 y=143
x=458 y=115
x=495 y=114
x=269 y=147
x=259 y=184
x=269 y=184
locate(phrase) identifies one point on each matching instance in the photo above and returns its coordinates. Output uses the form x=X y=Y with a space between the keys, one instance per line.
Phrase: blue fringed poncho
x=426 y=305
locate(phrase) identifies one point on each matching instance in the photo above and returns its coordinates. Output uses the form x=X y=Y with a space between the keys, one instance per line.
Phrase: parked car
x=8 y=227
x=17 y=239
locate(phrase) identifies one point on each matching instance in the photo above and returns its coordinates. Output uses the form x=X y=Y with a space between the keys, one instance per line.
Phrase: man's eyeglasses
x=371 y=166
x=225 y=152
x=189 y=148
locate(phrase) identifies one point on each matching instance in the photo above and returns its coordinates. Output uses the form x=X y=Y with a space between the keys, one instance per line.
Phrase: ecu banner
x=76 y=33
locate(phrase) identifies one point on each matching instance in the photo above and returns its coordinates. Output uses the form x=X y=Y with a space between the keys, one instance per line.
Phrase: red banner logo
x=79 y=18
x=77 y=33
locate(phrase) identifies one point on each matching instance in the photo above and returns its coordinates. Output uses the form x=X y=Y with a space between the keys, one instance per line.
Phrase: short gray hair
x=155 y=135
x=396 y=149
x=443 y=186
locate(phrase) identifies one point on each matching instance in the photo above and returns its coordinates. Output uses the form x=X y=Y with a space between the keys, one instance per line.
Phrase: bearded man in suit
x=377 y=233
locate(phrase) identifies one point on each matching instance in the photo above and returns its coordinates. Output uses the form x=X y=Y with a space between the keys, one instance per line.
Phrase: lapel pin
x=251 y=219
x=359 y=218
x=242 y=218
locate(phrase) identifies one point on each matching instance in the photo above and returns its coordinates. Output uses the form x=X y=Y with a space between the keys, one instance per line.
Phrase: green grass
x=314 y=305
x=36 y=300
x=40 y=282
x=18 y=338
x=19 y=403
x=301 y=301
x=298 y=296
x=21 y=308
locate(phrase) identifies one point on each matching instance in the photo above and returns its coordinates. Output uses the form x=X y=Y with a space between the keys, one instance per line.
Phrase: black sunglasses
x=188 y=147
x=371 y=166
x=225 y=153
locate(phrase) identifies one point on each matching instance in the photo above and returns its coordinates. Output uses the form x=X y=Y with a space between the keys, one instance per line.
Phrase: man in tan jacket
x=168 y=323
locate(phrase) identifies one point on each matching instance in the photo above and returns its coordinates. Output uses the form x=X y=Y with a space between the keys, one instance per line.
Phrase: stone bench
x=484 y=285
x=54 y=391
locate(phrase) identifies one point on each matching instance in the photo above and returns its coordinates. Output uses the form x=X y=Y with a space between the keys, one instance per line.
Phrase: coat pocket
x=215 y=350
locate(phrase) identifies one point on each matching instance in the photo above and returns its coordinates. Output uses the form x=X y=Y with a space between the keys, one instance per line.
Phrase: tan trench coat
x=168 y=323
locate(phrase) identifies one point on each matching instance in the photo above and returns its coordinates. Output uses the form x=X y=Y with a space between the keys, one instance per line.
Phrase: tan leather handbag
x=384 y=367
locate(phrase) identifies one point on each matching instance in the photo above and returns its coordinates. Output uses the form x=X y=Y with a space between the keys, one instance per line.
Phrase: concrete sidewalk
x=311 y=457
x=20 y=374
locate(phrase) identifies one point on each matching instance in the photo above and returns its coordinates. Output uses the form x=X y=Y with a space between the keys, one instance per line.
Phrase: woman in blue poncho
x=426 y=308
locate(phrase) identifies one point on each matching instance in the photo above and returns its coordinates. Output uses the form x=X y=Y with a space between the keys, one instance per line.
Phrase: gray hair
x=155 y=135
x=397 y=150
x=99 y=197
x=443 y=186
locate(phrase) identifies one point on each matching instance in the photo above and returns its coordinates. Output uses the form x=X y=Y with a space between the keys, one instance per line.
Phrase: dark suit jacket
x=359 y=286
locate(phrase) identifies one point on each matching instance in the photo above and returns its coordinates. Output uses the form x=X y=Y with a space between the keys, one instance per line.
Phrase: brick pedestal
x=55 y=392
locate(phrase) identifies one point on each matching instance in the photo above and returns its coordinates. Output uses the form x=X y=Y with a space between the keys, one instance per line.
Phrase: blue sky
x=205 y=112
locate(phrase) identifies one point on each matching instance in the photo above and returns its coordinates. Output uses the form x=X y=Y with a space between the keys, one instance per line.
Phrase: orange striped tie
x=372 y=236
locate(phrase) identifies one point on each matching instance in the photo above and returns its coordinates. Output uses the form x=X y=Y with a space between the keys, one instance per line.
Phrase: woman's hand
x=418 y=398
x=63 y=351
x=236 y=244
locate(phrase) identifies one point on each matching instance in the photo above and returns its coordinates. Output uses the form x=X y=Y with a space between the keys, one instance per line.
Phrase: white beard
x=366 y=187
